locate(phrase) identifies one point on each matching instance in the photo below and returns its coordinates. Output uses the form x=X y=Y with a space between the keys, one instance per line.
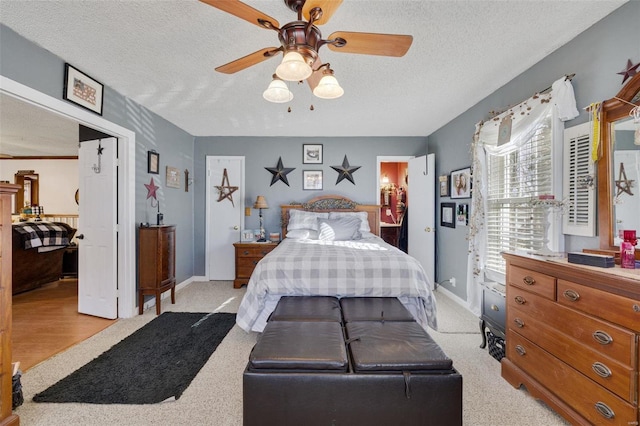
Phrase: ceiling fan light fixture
x=277 y=92
x=328 y=87
x=294 y=67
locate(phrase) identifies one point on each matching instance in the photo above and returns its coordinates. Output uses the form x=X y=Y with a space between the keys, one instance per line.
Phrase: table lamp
x=260 y=204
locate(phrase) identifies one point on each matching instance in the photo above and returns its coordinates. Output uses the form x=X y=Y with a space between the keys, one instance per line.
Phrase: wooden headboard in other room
x=333 y=203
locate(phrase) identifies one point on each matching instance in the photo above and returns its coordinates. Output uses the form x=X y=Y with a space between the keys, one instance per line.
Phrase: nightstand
x=247 y=257
x=493 y=317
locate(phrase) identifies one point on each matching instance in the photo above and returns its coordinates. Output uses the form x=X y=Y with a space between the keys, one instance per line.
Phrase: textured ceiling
x=162 y=54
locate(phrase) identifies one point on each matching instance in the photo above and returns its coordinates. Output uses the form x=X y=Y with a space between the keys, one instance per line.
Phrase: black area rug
x=155 y=363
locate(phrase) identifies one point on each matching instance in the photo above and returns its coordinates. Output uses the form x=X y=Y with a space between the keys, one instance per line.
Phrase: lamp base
x=261 y=240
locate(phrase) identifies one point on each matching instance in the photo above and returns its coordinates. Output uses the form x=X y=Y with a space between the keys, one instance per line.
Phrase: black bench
x=309 y=369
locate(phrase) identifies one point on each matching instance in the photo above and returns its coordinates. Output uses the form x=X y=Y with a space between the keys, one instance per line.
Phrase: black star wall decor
x=629 y=71
x=280 y=172
x=345 y=171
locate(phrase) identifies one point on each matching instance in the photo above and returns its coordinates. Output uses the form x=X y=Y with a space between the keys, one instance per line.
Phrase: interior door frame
x=388 y=159
x=126 y=181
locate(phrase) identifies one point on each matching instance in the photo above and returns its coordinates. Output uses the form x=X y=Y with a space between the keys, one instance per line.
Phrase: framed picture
x=153 y=162
x=82 y=90
x=312 y=154
x=462 y=214
x=312 y=180
x=173 y=177
x=447 y=214
x=444 y=185
x=461 y=183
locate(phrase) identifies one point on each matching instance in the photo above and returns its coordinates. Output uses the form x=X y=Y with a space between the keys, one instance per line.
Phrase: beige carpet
x=215 y=395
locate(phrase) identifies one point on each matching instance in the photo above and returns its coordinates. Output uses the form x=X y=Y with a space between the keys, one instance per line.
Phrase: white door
x=225 y=207
x=97 y=229
x=421 y=195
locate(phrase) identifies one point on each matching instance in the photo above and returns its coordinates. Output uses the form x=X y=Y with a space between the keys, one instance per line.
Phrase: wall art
x=312 y=154
x=82 y=90
x=447 y=215
x=461 y=183
x=312 y=180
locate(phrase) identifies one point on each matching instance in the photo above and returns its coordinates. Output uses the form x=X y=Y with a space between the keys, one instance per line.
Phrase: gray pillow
x=342 y=229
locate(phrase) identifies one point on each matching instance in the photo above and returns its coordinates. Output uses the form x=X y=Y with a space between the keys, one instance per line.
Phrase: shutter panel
x=578 y=183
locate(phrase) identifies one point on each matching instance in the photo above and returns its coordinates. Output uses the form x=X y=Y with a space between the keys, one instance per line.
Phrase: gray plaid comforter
x=368 y=267
x=41 y=234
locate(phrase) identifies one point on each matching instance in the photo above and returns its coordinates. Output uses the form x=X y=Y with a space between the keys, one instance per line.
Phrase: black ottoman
x=307 y=308
x=374 y=309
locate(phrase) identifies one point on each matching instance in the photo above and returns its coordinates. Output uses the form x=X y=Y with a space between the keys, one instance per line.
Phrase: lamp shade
x=293 y=67
x=277 y=91
x=328 y=88
x=260 y=203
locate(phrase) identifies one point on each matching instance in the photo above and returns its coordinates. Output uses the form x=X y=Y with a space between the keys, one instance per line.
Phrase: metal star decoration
x=630 y=71
x=280 y=172
x=151 y=189
x=226 y=191
x=346 y=171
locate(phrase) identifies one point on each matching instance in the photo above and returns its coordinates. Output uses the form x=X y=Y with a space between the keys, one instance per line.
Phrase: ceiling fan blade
x=249 y=60
x=242 y=11
x=328 y=9
x=372 y=43
x=315 y=77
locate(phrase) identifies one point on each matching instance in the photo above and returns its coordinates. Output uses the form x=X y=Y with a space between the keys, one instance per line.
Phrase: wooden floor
x=46 y=321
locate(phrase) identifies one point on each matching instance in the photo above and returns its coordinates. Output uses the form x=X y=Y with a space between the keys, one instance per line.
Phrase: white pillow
x=300 y=219
x=363 y=216
x=302 y=234
x=343 y=229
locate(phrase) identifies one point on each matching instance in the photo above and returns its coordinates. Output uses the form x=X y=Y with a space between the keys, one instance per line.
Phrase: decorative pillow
x=302 y=234
x=363 y=216
x=300 y=219
x=343 y=229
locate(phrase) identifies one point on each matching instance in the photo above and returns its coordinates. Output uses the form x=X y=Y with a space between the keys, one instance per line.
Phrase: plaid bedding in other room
x=42 y=234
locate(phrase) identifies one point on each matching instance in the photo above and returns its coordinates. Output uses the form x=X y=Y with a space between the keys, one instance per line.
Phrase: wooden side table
x=156 y=263
x=247 y=257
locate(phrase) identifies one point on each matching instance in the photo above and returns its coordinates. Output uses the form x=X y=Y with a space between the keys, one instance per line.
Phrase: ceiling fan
x=300 y=42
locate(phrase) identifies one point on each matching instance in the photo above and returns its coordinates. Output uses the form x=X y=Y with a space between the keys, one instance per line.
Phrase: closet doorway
x=393 y=185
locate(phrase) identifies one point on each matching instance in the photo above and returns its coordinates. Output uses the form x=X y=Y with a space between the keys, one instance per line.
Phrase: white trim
x=126 y=181
x=454 y=298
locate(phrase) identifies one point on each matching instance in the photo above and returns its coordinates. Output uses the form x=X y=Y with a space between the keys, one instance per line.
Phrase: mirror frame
x=612 y=110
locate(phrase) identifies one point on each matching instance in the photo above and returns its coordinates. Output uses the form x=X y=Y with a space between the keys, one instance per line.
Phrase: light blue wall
x=39 y=69
x=264 y=152
x=595 y=56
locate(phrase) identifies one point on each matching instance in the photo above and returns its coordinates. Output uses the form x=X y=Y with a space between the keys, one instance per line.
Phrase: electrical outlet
x=452 y=280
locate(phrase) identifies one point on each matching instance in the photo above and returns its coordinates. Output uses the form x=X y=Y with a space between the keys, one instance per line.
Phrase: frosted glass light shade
x=277 y=92
x=328 y=88
x=293 y=67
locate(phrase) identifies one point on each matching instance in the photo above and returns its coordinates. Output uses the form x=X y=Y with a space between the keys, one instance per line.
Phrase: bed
x=337 y=261
x=37 y=253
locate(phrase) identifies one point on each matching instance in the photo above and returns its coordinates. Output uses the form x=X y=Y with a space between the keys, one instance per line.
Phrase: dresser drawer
x=257 y=251
x=532 y=281
x=591 y=400
x=494 y=308
x=615 y=342
x=245 y=266
x=615 y=376
x=619 y=309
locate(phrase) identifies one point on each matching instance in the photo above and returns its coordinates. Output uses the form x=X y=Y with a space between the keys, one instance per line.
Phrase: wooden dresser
x=572 y=338
x=247 y=257
x=156 y=263
x=6 y=372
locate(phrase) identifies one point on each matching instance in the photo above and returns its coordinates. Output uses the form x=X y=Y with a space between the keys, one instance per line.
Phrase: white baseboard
x=453 y=297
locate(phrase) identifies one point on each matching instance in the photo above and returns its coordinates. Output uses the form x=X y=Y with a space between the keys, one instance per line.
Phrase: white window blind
x=578 y=183
x=513 y=179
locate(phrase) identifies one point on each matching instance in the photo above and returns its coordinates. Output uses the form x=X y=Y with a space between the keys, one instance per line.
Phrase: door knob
x=427 y=229
x=80 y=237
x=236 y=227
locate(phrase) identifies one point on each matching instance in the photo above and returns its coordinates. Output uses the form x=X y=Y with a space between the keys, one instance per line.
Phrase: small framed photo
x=462 y=214
x=312 y=180
x=82 y=90
x=461 y=183
x=153 y=162
x=173 y=177
x=444 y=185
x=312 y=154
x=447 y=215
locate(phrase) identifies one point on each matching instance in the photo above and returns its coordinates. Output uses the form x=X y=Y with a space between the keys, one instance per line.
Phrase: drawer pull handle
x=601 y=370
x=246 y=252
x=255 y=262
x=571 y=295
x=521 y=351
x=495 y=308
x=519 y=322
x=528 y=280
x=520 y=300
x=604 y=410
x=602 y=337
x=636 y=308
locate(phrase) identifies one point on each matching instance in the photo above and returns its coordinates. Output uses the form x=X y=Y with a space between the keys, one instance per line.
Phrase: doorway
x=393 y=185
